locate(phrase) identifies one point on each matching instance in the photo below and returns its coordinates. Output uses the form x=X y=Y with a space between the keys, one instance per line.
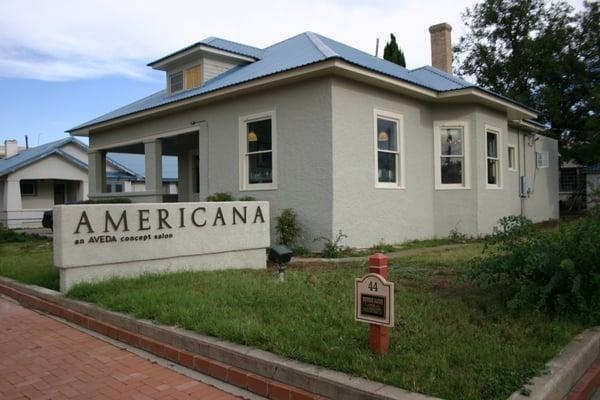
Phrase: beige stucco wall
x=303 y=119
x=369 y=215
x=364 y=213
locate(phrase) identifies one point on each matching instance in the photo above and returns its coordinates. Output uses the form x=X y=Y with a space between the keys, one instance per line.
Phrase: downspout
x=524 y=167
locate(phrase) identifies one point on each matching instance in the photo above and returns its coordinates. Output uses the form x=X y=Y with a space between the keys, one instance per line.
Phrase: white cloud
x=73 y=39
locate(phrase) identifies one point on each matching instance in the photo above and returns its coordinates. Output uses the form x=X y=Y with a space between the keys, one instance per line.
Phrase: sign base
x=255 y=259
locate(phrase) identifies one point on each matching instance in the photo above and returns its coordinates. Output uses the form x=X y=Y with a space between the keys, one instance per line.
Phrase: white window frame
x=498 y=132
x=400 y=176
x=437 y=130
x=245 y=184
x=515 y=166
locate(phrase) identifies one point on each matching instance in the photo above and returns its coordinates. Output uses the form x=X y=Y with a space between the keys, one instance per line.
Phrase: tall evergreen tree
x=539 y=53
x=393 y=53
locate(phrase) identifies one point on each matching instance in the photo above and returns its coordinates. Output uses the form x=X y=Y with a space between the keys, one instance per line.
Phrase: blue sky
x=69 y=61
x=45 y=109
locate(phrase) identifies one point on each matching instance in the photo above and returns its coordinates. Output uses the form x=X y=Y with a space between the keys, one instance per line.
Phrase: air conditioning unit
x=524 y=186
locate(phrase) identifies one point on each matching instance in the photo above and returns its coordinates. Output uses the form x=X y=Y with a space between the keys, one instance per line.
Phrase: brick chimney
x=441 y=47
x=11 y=148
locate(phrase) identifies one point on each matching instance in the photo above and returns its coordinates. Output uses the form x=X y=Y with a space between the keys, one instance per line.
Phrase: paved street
x=41 y=358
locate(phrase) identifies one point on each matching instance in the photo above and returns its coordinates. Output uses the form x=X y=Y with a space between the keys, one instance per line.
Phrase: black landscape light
x=280 y=255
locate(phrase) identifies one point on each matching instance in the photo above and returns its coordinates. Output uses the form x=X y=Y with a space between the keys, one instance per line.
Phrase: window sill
x=493 y=187
x=390 y=187
x=452 y=188
x=255 y=189
x=512 y=169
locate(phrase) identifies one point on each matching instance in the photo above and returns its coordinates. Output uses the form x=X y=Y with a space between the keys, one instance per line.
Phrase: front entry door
x=59 y=193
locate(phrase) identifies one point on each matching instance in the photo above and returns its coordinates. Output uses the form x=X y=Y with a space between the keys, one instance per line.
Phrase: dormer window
x=176 y=81
x=188 y=78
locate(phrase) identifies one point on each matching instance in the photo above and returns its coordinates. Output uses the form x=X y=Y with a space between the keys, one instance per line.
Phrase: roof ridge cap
x=322 y=47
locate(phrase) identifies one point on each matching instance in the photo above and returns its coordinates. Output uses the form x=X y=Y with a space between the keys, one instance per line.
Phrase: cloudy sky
x=65 y=62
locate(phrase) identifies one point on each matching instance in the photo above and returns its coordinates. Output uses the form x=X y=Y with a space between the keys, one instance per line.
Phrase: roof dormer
x=194 y=65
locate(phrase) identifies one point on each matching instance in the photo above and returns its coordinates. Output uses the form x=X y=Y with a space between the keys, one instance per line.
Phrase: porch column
x=184 y=174
x=203 y=162
x=83 y=191
x=97 y=171
x=12 y=195
x=153 y=158
x=12 y=203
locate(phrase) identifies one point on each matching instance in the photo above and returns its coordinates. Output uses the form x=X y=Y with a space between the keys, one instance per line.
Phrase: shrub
x=10 y=236
x=553 y=271
x=383 y=247
x=220 y=196
x=301 y=251
x=247 y=198
x=108 y=200
x=455 y=236
x=288 y=228
x=333 y=248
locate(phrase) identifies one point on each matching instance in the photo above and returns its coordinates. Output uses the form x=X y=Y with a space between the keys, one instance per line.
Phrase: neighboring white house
x=34 y=180
x=350 y=141
x=592 y=174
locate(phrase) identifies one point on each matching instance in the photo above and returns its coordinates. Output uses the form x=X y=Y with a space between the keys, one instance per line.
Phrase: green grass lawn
x=451 y=340
x=29 y=262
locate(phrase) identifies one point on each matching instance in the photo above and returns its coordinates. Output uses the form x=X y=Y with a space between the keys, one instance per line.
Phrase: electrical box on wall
x=524 y=186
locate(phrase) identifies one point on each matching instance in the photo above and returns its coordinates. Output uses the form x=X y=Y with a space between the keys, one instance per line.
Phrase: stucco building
x=33 y=180
x=352 y=142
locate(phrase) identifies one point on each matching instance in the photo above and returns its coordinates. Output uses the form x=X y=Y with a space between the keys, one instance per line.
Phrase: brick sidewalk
x=41 y=358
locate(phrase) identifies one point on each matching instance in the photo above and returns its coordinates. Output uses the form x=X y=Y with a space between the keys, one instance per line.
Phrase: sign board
x=98 y=241
x=374 y=300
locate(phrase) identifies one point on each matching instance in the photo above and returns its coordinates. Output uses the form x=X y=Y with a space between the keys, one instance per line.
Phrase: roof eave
x=198 y=47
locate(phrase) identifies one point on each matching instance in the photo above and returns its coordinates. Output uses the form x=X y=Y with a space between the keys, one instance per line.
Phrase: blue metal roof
x=34 y=154
x=11 y=164
x=298 y=51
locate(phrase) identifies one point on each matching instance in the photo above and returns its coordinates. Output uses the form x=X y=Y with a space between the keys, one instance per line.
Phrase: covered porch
x=189 y=146
x=24 y=201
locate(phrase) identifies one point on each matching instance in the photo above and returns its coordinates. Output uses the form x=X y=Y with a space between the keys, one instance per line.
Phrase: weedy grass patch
x=452 y=339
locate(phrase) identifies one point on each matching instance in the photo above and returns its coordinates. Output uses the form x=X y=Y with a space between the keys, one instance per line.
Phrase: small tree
x=288 y=228
x=393 y=53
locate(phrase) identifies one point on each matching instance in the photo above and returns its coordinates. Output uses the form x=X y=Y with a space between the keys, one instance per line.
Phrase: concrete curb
x=588 y=387
x=565 y=370
x=397 y=254
x=258 y=371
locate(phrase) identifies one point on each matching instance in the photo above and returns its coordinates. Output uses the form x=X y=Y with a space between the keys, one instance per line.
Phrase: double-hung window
x=451 y=145
x=493 y=163
x=388 y=149
x=258 y=144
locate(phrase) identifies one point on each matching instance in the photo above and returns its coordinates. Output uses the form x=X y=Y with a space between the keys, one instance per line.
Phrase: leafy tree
x=541 y=54
x=393 y=53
